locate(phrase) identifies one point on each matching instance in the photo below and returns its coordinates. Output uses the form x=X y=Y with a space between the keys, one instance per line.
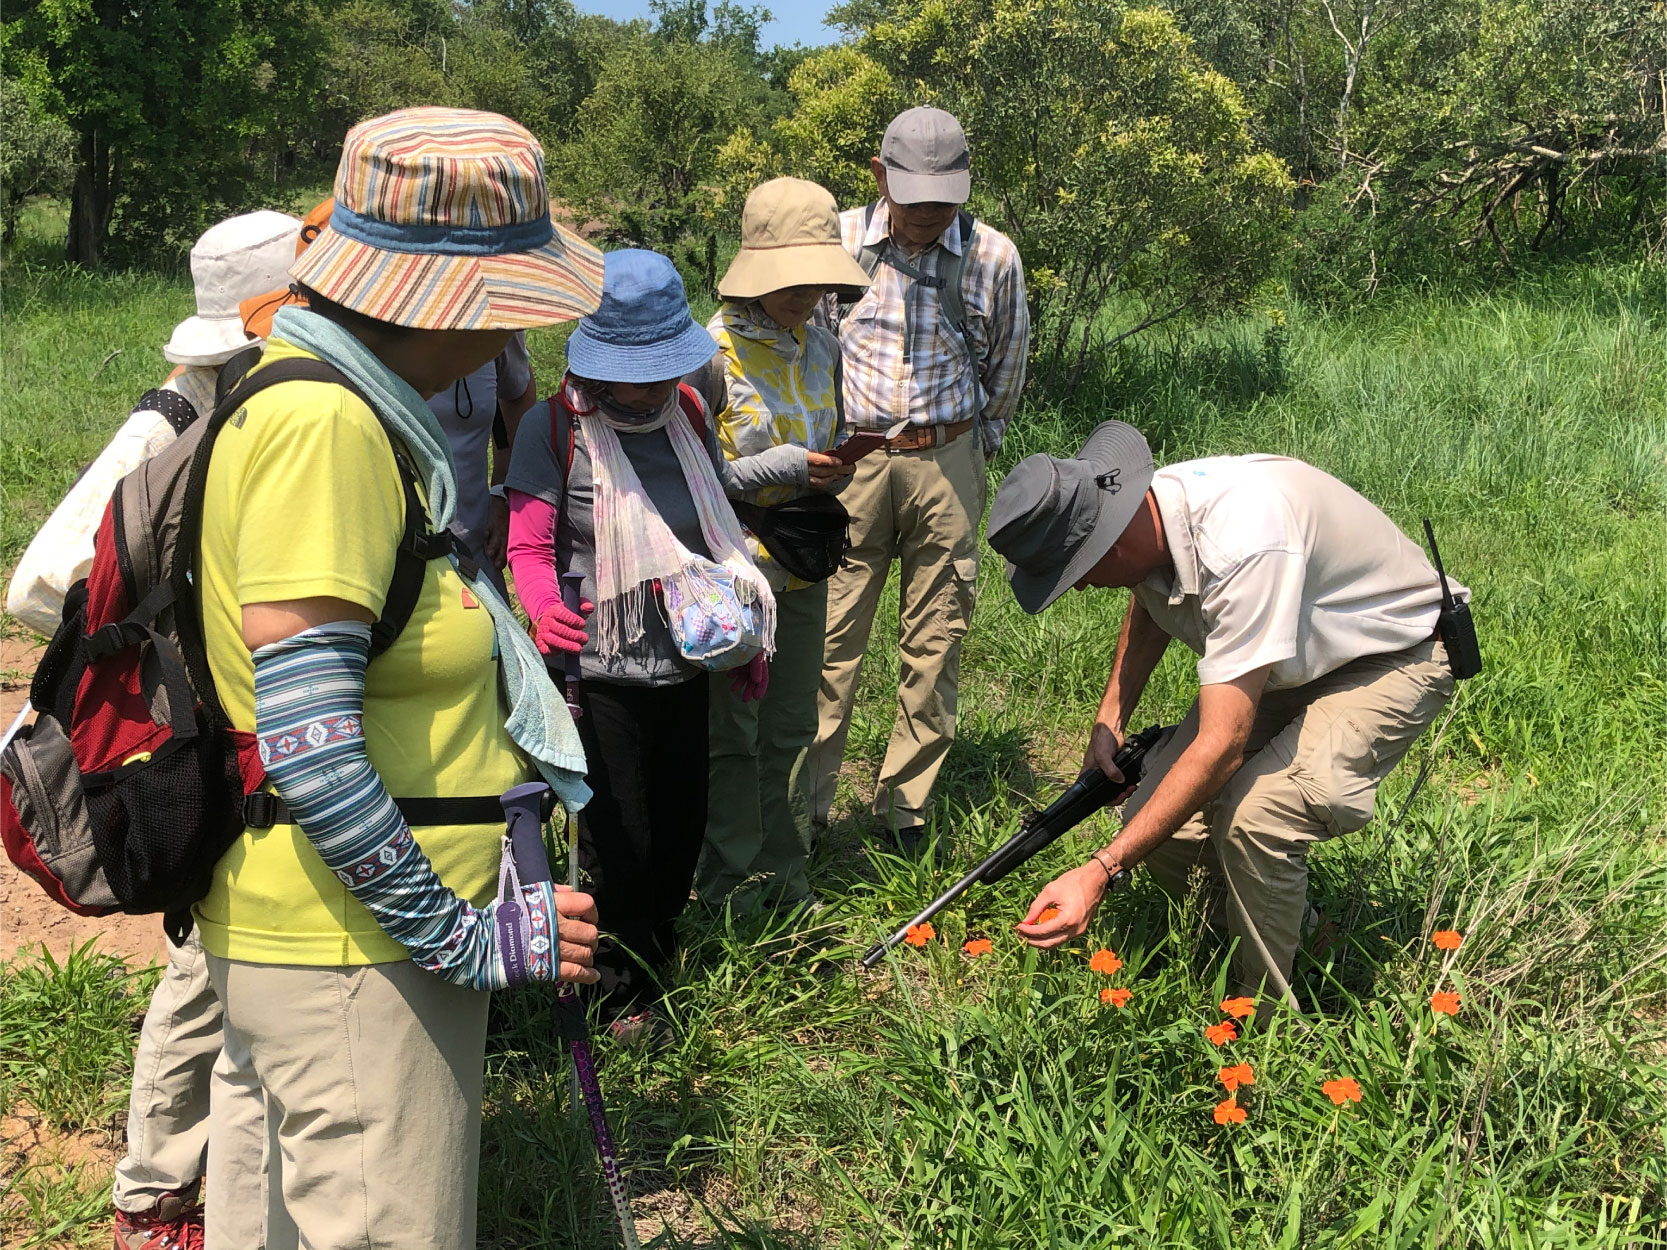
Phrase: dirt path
x=27 y=915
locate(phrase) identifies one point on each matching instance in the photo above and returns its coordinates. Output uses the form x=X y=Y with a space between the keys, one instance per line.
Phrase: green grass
x=947 y=1102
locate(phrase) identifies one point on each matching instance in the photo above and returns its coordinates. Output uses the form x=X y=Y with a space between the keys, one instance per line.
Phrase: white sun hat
x=242 y=256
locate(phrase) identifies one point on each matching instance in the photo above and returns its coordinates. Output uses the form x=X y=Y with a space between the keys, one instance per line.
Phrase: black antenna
x=1435 y=552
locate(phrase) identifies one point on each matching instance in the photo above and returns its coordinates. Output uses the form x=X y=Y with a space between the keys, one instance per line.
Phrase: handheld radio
x=1454 y=625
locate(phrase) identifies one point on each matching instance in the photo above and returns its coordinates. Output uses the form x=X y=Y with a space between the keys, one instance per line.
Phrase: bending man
x=1314 y=620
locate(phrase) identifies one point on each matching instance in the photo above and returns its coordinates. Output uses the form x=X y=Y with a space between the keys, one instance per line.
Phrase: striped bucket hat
x=442 y=222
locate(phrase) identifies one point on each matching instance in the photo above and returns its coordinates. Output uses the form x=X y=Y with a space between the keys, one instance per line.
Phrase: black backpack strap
x=563 y=436
x=263 y=809
x=171 y=406
x=235 y=370
x=417 y=544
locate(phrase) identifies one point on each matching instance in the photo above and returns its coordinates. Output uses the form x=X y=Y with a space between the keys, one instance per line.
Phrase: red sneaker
x=174 y=1223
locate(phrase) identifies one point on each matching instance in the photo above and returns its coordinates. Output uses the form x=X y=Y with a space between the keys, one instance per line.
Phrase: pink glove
x=752 y=679
x=561 y=629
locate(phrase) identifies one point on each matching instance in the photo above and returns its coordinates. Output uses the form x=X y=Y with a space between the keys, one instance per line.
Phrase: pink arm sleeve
x=532 y=553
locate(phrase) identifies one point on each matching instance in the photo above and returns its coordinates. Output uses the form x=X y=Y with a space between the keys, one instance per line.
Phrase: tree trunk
x=91 y=202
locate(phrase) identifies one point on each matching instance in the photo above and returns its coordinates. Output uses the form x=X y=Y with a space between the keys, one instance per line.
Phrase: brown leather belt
x=918 y=437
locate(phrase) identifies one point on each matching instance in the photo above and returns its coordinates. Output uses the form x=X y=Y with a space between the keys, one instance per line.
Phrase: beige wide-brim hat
x=790 y=237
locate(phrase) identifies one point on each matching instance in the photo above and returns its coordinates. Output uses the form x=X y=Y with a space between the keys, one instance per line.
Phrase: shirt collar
x=879 y=229
x=1177 y=532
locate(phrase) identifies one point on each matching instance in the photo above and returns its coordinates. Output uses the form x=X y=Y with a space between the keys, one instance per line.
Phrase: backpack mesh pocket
x=161 y=823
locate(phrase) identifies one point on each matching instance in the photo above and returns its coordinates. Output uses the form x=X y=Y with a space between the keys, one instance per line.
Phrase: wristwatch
x=1116 y=874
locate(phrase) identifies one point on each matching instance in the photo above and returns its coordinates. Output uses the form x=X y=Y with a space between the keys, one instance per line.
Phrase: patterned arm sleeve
x=309 y=719
x=1003 y=375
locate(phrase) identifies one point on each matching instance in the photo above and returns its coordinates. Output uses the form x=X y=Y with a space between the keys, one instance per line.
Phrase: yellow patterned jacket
x=780 y=386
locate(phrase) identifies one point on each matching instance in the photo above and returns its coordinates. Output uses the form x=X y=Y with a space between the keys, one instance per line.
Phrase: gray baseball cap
x=926 y=158
x=1054 y=519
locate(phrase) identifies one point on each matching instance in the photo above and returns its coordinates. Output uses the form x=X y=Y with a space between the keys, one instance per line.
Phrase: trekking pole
x=523 y=815
x=22 y=715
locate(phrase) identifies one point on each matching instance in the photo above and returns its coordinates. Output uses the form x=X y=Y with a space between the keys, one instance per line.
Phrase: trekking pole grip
x=525 y=809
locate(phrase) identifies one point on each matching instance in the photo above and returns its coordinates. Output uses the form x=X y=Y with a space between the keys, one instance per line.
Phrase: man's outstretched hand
x=1074 y=895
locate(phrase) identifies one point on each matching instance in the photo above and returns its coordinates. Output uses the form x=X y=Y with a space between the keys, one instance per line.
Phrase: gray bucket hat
x=1054 y=519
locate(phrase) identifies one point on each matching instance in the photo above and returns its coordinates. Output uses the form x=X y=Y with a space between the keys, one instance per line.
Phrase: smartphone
x=861 y=443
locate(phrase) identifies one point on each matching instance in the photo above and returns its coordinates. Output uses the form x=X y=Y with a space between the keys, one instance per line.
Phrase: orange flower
x=1237 y=1075
x=1105 y=961
x=1048 y=913
x=1239 y=1008
x=920 y=934
x=1117 y=998
x=1229 y=1112
x=978 y=946
x=1221 y=1034
x=1447 y=939
x=1343 y=1089
x=1445 y=1002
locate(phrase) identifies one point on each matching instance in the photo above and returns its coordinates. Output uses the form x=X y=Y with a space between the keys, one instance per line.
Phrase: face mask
x=633 y=420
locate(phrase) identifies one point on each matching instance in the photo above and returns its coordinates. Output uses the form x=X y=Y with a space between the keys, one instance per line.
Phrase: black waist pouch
x=806 y=536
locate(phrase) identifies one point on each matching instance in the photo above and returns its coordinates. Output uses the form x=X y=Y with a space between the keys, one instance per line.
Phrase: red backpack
x=132 y=783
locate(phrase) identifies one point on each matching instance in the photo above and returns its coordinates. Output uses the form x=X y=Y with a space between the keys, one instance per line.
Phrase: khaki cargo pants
x=922 y=509
x=369 y=1080
x=168 y=1107
x=1313 y=764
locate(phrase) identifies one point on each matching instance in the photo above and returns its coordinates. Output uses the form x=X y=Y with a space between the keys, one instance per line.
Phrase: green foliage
x=1120 y=163
x=165 y=99
x=66 y=1033
x=1430 y=134
x=645 y=151
x=38 y=156
x=946 y=1102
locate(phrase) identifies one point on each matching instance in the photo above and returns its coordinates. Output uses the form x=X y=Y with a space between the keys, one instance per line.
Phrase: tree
x=37 y=157
x=644 y=156
x=165 y=99
x=1122 y=165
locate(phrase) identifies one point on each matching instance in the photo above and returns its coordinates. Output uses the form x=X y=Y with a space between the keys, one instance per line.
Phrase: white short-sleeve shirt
x=1279 y=564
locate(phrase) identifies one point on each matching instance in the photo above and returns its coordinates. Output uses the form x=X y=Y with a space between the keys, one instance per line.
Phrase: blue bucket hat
x=643 y=331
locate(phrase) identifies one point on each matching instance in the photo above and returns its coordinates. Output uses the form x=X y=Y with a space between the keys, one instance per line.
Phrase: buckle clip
x=1108 y=481
x=261 y=809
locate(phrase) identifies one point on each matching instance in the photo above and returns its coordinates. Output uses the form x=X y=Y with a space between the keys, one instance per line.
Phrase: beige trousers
x=370 y=1078
x=922 y=509
x=1313 y=764
x=168 y=1106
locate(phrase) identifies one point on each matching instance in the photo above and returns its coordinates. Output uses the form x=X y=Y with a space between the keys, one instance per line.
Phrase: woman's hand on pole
x=576 y=931
x=562 y=629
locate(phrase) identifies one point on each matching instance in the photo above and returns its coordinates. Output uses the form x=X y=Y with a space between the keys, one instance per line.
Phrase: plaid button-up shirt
x=929 y=380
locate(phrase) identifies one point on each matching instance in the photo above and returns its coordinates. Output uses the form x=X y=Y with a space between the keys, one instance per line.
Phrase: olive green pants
x=758 y=801
x=1313 y=763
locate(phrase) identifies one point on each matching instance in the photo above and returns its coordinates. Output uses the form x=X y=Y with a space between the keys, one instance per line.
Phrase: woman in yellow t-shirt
x=353 y=940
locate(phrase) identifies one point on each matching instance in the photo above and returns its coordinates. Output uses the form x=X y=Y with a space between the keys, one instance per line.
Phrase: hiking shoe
x=909 y=841
x=174 y=1223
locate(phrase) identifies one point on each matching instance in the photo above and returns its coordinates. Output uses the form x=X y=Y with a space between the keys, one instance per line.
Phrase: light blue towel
x=539 y=721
